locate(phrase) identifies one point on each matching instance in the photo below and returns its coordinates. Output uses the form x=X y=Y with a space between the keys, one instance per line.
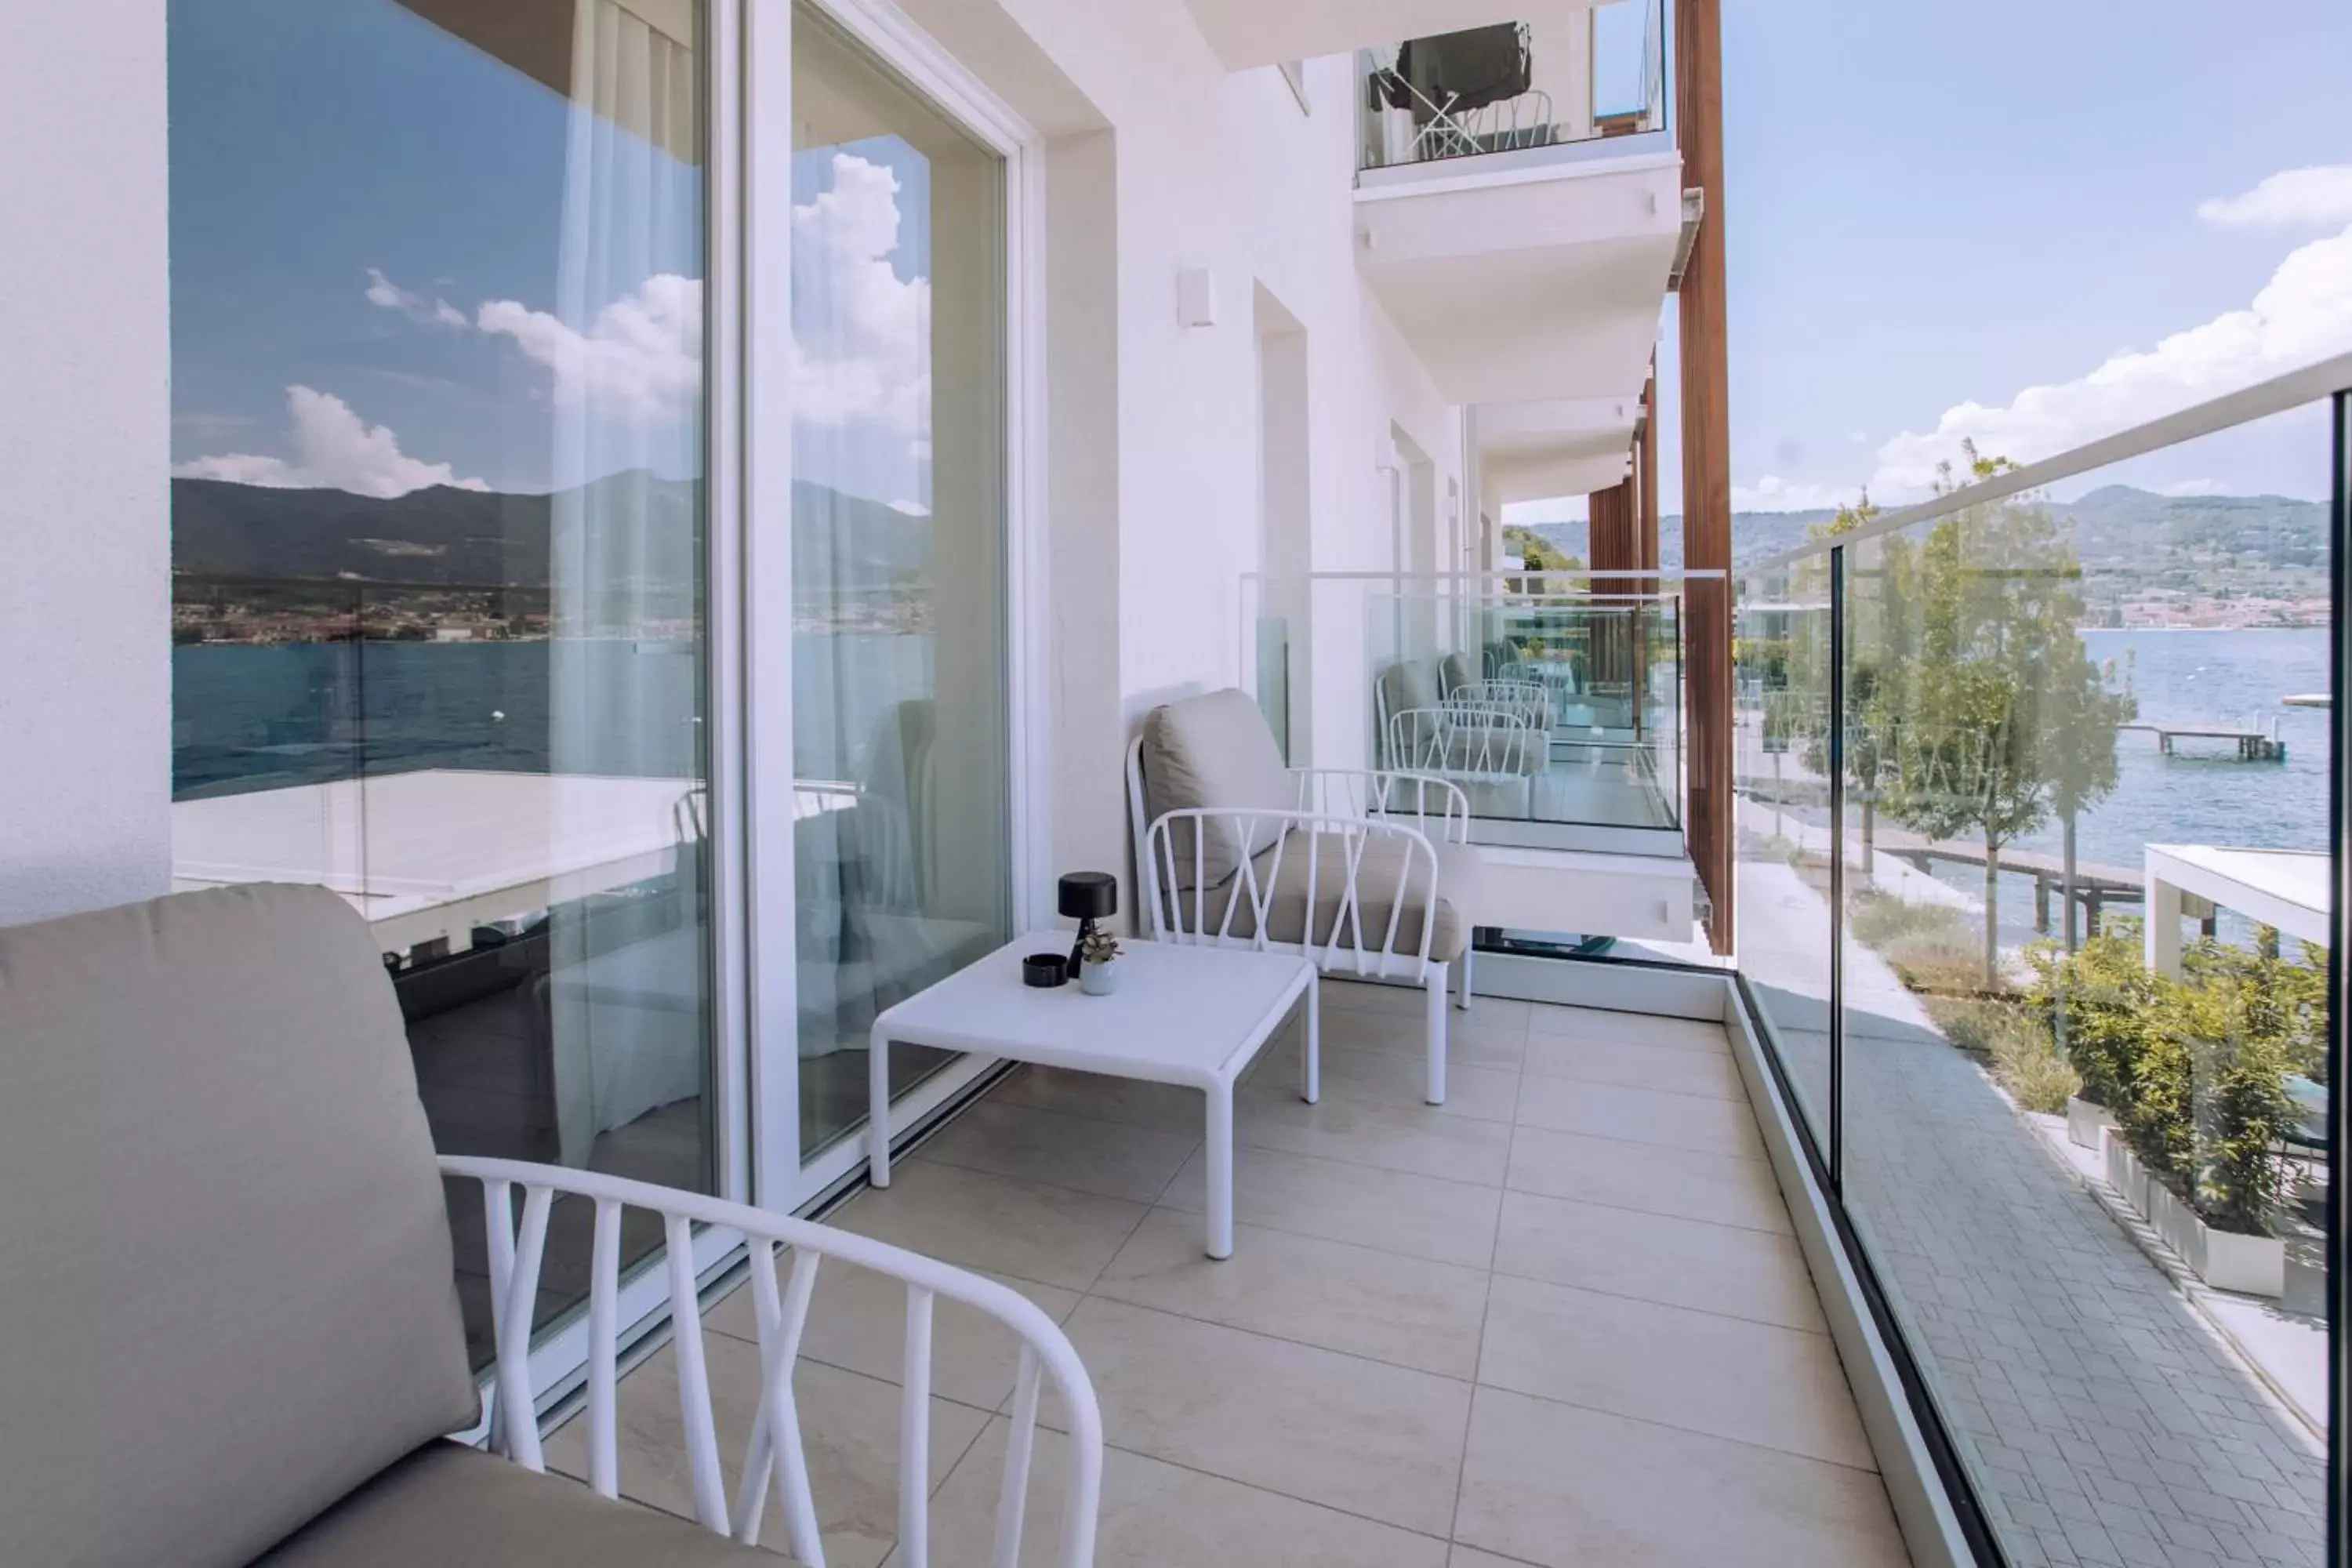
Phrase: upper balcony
x=1520 y=201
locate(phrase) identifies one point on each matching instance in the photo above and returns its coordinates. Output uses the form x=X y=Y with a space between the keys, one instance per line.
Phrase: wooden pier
x=2096 y=885
x=2253 y=746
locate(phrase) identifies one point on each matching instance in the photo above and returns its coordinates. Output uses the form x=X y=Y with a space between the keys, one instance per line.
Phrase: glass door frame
x=752 y=676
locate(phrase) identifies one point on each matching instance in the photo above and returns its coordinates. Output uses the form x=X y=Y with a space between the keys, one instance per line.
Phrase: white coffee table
x=1193 y=1016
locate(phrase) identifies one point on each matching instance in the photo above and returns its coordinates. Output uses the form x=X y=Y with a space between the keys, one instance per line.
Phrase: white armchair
x=236 y=1334
x=1370 y=874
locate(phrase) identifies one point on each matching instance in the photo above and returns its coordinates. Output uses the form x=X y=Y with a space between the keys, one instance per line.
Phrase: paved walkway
x=2105 y=1423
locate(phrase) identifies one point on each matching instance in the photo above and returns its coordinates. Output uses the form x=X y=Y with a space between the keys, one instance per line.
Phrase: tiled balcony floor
x=1560 y=1321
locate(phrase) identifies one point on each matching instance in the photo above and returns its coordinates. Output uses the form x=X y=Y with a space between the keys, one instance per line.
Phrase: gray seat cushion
x=224 y=1258
x=454 y=1506
x=1460 y=876
x=1211 y=751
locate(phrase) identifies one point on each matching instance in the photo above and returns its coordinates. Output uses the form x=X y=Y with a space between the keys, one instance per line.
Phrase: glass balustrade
x=2034 y=856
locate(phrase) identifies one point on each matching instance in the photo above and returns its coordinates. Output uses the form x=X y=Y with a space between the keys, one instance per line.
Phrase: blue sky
x=1930 y=206
x=1926 y=209
x=367 y=251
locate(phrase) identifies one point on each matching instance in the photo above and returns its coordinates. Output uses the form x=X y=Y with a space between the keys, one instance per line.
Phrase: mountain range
x=2115 y=528
x=644 y=526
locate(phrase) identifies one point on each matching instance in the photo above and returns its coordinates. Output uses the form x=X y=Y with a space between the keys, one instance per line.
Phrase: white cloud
x=911 y=508
x=864 y=335
x=2302 y=315
x=2192 y=488
x=642 y=356
x=1773 y=493
x=384 y=293
x=2316 y=198
x=334 y=449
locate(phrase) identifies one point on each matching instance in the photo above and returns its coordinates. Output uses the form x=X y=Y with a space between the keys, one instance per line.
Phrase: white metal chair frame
x=1468 y=741
x=1354 y=805
x=1530 y=698
x=774 y=1451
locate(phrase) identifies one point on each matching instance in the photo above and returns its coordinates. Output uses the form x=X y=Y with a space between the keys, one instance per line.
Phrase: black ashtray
x=1044 y=969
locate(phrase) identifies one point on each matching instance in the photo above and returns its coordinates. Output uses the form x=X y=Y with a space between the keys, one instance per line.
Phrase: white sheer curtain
x=626 y=1007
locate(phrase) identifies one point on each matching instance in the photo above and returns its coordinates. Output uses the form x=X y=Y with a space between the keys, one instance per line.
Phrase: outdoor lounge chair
x=1370 y=874
x=231 y=1327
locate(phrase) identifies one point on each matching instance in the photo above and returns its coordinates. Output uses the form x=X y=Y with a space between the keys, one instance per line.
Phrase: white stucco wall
x=85 y=422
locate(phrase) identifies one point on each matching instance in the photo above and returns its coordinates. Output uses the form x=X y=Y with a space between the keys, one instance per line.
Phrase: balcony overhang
x=1562 y=446
x=1247 y=33
x=1527 y=277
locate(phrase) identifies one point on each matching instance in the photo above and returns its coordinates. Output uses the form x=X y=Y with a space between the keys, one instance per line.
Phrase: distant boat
x=2308 y=700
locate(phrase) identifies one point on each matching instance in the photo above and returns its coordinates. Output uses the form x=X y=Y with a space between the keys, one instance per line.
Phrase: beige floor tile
x=1656 y=1180
x=1051 y=1235
x=1670 y=1069
x=1377 y=1077
x=1368 y=996
x=1738 y=1272
x=857 y=1321
x=1640 y=1115
x=1404 y=1311
x=1633 y=1029
x=1568 y=1488
x=849 y=1428
x=1158 y=1515
x=1381 y=1441
x=1099 y=1157
x=1130 y=1102
x=1471 y=1039
x=1471 y=1557
x=1727 y=1377
x=1425 y=1216
x=1413 y=1137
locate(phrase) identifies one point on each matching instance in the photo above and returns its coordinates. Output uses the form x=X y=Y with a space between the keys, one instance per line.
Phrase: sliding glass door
x=901 y=760
x=440 y=540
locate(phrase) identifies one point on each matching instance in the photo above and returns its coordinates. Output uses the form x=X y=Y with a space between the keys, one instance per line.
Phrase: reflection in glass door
x=439 y=533
x=901 y=759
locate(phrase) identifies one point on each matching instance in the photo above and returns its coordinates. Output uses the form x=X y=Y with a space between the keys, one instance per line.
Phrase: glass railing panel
x=2087 y=764
x=1561 y=77
x=1781 y=820
x=1552 y=703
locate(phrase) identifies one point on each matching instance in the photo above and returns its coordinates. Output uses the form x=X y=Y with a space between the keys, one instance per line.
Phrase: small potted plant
x=1098 y=962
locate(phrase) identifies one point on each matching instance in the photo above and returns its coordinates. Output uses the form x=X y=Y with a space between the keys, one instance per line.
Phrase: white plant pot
x=2231 y=1261
x=2085 y=1119
x=2124 y=1173
x=1098 y=979
x=2225 y=1259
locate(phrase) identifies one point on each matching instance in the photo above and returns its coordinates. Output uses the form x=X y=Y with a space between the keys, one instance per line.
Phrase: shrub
x=1934 y=949
x=2193 y=1069
x=2024 y=1060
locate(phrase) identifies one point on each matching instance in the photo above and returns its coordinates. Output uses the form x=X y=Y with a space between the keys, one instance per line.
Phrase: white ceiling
x=1528 y=290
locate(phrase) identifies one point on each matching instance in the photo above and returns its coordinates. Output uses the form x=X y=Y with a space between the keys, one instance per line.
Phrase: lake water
x=2203 y=794
x=247 y=717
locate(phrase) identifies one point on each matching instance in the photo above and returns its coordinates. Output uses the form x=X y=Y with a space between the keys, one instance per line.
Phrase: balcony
x=1562 y=1319
x=1520 y=206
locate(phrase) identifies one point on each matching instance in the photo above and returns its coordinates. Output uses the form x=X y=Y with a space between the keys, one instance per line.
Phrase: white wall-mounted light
x=1196 y=298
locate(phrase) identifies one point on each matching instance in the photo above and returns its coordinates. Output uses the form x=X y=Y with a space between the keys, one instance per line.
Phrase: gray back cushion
x=225 y=1296
x=1455 y=672
x=1214 y=750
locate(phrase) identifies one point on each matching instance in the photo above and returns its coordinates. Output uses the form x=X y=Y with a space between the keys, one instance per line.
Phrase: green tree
x=2003 y=718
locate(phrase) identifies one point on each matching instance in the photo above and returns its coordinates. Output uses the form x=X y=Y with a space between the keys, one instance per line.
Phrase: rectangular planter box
x=2086 y=1118
x=2227 y=1260
x=2124 y=1173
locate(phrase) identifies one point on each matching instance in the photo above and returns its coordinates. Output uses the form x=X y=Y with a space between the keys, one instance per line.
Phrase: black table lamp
x=1087 y=897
